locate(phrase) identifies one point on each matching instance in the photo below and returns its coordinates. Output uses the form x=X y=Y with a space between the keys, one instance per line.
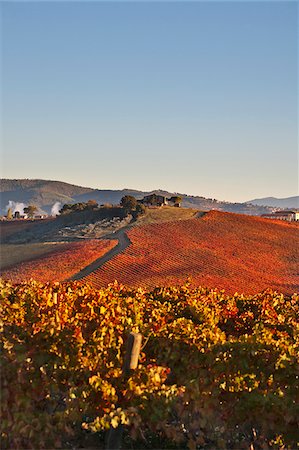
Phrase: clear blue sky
x=192 y=97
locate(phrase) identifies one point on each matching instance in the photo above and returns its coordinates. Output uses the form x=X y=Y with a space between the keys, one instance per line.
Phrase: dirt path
x=200 y=214
x=123 y=243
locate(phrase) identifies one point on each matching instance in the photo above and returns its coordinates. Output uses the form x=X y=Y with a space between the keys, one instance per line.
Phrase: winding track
x=123 y=243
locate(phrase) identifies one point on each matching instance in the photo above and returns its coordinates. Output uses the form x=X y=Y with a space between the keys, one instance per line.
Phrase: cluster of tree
x=75 y=207
x=132 y=206
x=29 y=210
x=176 y=199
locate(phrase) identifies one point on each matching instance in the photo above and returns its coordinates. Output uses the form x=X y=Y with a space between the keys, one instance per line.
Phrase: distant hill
x=41 y=193
x=45 y=193
x=289 y=202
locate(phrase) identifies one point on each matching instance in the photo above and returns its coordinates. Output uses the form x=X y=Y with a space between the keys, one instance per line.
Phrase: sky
x=196 y=97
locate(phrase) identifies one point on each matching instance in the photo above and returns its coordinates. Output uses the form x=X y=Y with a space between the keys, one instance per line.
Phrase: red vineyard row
x=60 y=264
x=233 y=252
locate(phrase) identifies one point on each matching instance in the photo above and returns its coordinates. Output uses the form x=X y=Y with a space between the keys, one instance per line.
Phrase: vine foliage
x=215 y=371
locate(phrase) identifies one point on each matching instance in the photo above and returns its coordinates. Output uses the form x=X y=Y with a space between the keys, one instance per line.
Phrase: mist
x=55 y=209
x=15 y=206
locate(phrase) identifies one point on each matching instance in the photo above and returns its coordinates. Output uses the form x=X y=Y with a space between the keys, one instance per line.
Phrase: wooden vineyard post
x=132 y=353
x=114 y=435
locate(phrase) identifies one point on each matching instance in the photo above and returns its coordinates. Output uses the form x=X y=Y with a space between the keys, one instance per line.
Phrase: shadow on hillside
x=46 y=230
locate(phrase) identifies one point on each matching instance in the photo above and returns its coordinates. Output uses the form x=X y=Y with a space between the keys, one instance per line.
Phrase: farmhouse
x=17 y=215
x=289 y=216
x=154 y=200
x=160 y=200
x=40 y=216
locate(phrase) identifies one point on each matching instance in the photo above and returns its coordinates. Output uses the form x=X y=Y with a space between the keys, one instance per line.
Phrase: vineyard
x=237 y=253
x=60 y=263
x=215 y=371
x=234 y=252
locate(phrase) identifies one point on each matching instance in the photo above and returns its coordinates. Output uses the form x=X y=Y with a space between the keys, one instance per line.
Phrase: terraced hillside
x=228 y=251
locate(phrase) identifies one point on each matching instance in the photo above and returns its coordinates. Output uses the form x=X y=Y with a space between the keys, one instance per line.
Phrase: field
x=166 y=214
x=12 y=254
x=214 y=372
x=16 y=226
x=58 y=264
x=237 y=253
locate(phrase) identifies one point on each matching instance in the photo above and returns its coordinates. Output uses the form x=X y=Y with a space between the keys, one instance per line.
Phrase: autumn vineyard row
x=229 y=251
x=215 y=371
x=59 y=265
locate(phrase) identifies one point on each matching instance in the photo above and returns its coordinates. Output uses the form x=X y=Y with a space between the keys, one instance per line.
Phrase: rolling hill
x=234 y=252
x=63 y=261
x=238 y=253
x=45 y=193
x=289 y=202
x=41 y=193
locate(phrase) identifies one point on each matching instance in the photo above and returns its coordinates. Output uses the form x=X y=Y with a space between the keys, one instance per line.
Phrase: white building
x=289 y=216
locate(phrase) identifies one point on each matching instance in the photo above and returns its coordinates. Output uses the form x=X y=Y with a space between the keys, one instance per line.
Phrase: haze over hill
x=289 y=202
x=45 y=193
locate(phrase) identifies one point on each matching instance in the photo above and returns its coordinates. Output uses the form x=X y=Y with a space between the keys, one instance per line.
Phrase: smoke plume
x=55 y=209
x=15 y=206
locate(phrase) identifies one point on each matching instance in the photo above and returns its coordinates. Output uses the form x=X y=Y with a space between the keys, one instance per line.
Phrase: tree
x=139 y=211
x=67 y=208
x=77 y=207
x=92 y=204
x=128 y=202
x=30 y=211
x=9 y=214
x=175 y=199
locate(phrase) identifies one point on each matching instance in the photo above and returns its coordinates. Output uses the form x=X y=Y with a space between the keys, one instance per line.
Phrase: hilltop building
x=289 y=216
x=17 y=215
x=154 y=200
x=40 y=216
x=160 y=200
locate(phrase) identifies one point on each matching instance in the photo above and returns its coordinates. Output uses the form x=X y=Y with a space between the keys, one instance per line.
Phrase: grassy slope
x=166 y=214
x=11 y=254
x=15 y=227
x=14 y=254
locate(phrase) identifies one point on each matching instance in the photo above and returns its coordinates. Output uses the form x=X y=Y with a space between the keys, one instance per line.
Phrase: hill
x=228 y=251
x=63 y=261
x=41 y=193
x=289 y=202
x=57 y=229
x=45 y=193
x=166 y=246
